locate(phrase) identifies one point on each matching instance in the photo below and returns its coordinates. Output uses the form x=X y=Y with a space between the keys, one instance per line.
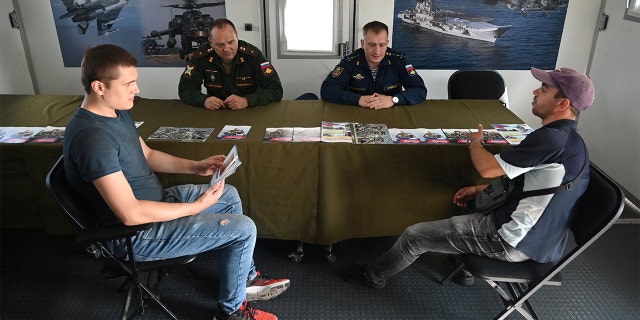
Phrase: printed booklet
x=406 y=135
x=48 y=135
x=336 y=132
x=514 y=133
x=278 y=135
x=18 y=134
x=312 y=134
x=493 y=136
x=434 y=136
x=370 y=133
x=459 y=136
x=233 y=132
x=181 y=134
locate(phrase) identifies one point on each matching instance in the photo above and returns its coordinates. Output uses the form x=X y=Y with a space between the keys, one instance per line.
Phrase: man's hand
x=477 y=135
x=375 y=101
x=208 y=166
x=467 y=193
x=235 y=102
x=210 y=196
x=213 y=103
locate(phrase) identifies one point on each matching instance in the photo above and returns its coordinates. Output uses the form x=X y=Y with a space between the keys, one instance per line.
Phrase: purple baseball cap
x=576 y=86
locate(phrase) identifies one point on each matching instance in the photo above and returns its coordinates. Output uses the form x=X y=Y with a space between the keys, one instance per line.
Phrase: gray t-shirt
x=95 y=146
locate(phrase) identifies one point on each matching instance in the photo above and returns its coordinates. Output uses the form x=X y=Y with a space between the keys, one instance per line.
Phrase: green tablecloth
x=315 y=192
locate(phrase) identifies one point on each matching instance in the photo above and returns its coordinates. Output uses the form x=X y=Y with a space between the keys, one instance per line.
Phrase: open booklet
x=229 y=166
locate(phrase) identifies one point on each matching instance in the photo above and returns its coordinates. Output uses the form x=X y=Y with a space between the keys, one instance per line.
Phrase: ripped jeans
x=471 y=233
x=220 y=227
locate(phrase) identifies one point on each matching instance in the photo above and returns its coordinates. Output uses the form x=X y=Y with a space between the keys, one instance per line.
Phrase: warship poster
x=159 y=33
x=479 y=34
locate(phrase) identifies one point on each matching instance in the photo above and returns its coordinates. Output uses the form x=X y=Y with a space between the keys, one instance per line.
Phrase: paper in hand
x=229 y=166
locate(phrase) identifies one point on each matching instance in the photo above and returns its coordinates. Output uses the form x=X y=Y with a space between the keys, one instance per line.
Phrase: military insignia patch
x=358 y=76
x=410 y=69
x=267 y=69
x=188 y=71
x=337 y=71
x=212 y=75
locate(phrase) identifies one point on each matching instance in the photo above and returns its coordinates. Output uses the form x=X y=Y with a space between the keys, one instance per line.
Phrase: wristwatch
x=395 y=100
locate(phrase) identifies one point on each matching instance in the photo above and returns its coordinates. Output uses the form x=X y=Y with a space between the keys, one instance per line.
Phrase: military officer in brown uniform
x=235 y=73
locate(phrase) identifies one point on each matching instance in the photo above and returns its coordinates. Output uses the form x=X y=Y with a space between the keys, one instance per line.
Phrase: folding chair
x=599 y=208
x=97 y=238
x=477 y=84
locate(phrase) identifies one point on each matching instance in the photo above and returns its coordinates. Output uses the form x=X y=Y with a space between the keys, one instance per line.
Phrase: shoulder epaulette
x=248 y=49
x=352 y=56
x=394 y=54
x=202 y=52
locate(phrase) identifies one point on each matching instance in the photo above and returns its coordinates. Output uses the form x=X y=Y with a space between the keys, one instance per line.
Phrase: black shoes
x=357 y=273
x=463 y=277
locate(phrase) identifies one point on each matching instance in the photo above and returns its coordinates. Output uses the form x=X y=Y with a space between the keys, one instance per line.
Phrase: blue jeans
x=470 y=233
x=203 y=232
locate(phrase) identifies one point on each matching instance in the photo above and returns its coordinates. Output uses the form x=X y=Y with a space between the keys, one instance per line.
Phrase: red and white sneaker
x=264 y=287
x=245 y=313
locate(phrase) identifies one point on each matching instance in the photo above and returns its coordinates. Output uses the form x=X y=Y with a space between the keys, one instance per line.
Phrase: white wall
x=575 y=51
x=611 y=126
x=14 y=70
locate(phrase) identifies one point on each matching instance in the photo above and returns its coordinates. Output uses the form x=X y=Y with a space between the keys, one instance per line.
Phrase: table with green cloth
x=315 y=192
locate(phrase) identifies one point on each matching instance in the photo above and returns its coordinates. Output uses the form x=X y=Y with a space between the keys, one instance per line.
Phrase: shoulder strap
x=567 y=186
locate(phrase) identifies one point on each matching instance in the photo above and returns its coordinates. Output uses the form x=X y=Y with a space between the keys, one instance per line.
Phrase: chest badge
x=212 y=75
x=358 y=76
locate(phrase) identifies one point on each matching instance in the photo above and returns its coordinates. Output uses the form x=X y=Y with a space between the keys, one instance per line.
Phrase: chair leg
x=522 y=287
x=139 y=290
x=135 y=297
x=511 y=301
x=135 y=283
x=157 y=300
x=296 y=256
x=328 y=253
x=506 y=298
x=128 y=302
x=452 y=273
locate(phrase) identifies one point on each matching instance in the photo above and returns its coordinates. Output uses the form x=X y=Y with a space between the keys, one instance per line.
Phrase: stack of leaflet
x=229 y=166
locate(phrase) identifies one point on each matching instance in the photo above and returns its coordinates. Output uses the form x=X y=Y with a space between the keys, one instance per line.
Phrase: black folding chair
x=599 y=208
x=477 y=84
x=96 y=238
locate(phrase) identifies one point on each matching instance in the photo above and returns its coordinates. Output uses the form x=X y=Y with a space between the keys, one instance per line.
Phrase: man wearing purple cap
x=535 y=227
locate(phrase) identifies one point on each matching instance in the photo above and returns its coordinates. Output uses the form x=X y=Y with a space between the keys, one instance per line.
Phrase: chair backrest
x=477 y=84
x=600 y=206
x=598 y=209
x=72 y=204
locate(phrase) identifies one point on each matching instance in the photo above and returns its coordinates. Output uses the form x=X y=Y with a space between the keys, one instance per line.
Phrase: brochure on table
x=181 y=134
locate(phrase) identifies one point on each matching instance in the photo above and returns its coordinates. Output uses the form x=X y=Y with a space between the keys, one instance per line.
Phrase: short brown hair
x=220 y=23
x=375 y=27
x=101 y=63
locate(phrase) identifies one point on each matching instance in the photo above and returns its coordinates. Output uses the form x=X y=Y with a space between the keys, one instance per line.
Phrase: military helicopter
x=192 y=26
x=105 y=12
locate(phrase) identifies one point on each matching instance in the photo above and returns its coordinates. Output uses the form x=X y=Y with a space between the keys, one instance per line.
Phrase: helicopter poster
x=159 y=33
